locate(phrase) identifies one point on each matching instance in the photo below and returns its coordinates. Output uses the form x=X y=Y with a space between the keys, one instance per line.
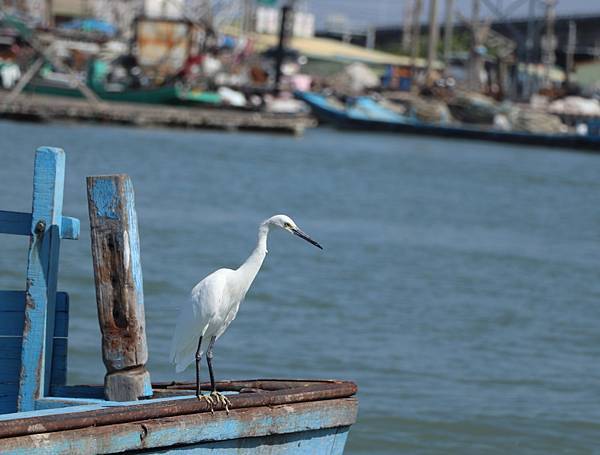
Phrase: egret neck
x=248 y=270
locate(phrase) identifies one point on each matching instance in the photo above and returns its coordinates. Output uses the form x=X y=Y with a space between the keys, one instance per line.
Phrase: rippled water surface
x=459 y=285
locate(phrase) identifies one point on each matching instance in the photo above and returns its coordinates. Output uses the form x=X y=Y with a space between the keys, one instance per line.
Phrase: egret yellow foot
x=209 y=399
x=222 y=399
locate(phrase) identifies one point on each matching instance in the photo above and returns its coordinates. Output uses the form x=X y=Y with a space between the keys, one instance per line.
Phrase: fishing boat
x=96 y=80
x=40 y=413
x=364 y=113
x=200 y=98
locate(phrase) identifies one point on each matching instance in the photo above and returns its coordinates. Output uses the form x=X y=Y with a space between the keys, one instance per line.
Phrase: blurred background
x=444 y=153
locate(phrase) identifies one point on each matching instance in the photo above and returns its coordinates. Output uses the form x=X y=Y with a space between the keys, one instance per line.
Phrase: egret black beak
x=304 y=236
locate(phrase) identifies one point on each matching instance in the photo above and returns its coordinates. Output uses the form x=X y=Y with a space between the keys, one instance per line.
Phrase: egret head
x=286 y=223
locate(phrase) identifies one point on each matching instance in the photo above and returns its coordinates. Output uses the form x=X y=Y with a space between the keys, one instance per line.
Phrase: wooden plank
x=18 y=223
x=42 y=270
x=301 y=422
x=70 y=228
x=15 y=223
x=58 y=373
x=62 y=402
x=12 y=305
x=10 y=361
x=329 y=441
x=119 y=286
x=12 y=313
x=79 y=391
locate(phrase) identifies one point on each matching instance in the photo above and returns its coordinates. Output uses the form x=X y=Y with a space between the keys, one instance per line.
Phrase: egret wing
x=194 y=319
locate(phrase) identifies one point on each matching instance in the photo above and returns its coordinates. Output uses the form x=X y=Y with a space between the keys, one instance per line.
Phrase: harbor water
x=459 y=286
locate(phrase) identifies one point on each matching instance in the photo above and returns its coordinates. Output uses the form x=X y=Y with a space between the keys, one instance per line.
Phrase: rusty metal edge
x=187 y=429
x=308 y=391
x=236 y=386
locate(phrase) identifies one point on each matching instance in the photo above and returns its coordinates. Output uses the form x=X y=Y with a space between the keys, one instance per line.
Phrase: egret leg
x=199 y=395
x=218 y=397
x=198 y=359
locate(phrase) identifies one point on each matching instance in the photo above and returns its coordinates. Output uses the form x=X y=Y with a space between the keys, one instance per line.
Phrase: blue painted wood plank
x=313 y=427
x=10 y=364
x=79 y=409
x=78 y=391
x=12 y=314
x=313 y=442
x=11 y=328
x=15 y=223
x=18 y=223
x=58 y=373
x=330 y=441
x=70 y=228
x=48 y=411
x=61 y=402
x=42 y=270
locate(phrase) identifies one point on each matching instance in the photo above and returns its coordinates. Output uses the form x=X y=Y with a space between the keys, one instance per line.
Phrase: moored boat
x=364 y=113
x=95 y=80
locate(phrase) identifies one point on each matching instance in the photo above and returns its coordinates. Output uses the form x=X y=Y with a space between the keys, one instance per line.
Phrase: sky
x=389 y=12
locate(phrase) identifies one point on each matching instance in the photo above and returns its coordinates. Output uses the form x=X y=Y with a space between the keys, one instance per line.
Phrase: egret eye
x=287 y=225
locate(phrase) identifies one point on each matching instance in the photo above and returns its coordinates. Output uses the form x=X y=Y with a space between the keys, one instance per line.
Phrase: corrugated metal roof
x=329 y=49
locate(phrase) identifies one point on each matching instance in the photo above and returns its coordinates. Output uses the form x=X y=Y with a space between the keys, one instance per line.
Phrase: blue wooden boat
x=40 y=413
x=364 y=113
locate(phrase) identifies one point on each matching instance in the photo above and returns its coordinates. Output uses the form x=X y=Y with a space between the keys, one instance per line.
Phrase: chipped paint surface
x=313 y=427
x=34 y=349
x=119 y=287
x=42 y=276
x=105 y=199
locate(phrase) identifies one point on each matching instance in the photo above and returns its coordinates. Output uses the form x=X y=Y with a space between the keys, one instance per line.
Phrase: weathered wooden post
x=119 y=291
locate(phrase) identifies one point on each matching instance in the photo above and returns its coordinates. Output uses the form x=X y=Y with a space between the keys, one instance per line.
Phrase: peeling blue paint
x=105 y=198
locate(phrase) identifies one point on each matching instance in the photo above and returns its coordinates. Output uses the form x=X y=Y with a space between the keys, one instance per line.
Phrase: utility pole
x=207 y=14
x=448 y=29
x=571 y=42
x=284 y=26
x=416 y=33
x=549 y=40
x=370 y=40
x=407 y=27
x=248 y=19
x=530 y=32
x=476 y=63
x=433 y=36
x=49 y=19
x=529 y=49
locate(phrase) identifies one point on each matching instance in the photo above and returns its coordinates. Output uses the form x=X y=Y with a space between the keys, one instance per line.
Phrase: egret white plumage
x=213 y=305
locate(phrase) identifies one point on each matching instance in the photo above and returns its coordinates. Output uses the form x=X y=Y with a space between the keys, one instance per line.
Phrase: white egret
x=214 y=303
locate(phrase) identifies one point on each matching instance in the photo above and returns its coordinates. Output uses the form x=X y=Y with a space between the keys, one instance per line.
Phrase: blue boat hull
x=315 y=427
x=267 y=417
x=342 y=119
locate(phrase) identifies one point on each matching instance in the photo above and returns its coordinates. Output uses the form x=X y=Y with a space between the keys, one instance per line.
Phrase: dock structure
x=49 y=108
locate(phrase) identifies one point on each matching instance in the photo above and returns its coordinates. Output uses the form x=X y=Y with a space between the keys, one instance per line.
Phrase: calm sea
x=459 y=285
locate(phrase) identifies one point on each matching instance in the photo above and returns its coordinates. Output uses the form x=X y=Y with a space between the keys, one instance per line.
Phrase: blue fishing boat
x=364 y=113
x=41 y=413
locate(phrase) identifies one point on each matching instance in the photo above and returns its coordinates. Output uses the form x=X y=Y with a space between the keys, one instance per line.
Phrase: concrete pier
x=49 y=108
